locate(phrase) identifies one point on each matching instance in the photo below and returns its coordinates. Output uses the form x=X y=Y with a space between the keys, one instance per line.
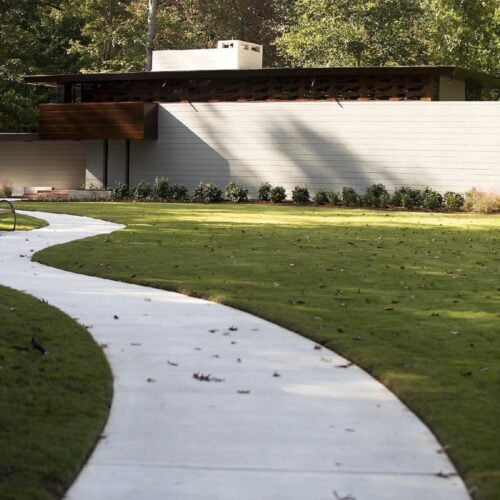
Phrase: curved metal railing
x=8 y=219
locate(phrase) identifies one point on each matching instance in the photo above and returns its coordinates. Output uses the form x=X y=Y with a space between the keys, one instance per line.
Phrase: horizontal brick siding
x=445 y=145
x=59 y=164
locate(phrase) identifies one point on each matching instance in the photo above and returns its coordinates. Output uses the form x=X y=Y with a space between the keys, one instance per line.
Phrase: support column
x=105 y=164
x=127 y=163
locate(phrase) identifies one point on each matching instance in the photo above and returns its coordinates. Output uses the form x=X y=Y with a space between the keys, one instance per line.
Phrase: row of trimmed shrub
x=375 y=196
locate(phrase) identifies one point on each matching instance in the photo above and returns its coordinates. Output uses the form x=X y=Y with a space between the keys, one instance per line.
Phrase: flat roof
x=483 y=79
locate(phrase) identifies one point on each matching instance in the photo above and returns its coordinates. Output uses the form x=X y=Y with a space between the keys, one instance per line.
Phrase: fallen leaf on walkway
x=233 y=328
x=103 y=346
x=171 y=363
x=151 y=380
x=276 y=374
x=213 y=330
x=243 y=392
x=317 y=347
x=446 y=475
x=343 y=497
x=206 y=378
x=134 y=343
x=347 y=365
x=116 y=317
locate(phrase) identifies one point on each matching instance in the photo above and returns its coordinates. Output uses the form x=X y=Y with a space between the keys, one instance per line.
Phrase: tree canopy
x=62 y=36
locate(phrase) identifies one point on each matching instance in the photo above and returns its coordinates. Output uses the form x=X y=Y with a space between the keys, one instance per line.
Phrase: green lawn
x=24 y=223
x=53 y=406
x=411 y=297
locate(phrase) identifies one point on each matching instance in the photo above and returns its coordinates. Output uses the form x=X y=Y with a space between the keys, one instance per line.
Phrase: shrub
x=234 y=192
x=207 y=192
x=6 y=188
x=301 y=195
x=384 y=200
x=407 y=197
x=334 y=198
x=431 y=199
x=373 y=195
x=161 y=188
x=179 y=192
x=142 y=190
x=278 y=194
x=453 y=201
x=481 y=201
x=321 y=197
x=349 y=196
x=264 y=191
x=119 y=191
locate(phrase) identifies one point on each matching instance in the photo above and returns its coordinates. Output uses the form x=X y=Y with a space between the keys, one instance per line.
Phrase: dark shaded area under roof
x=484 y=80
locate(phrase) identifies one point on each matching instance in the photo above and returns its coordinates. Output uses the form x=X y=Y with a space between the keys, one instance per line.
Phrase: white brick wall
x=445 y=145
x=59 y=164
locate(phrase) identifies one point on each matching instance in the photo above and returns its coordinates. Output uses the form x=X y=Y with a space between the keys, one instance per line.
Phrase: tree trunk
x=152 y=8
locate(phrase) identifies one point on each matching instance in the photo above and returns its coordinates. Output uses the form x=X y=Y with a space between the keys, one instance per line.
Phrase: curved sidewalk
x=278 y=419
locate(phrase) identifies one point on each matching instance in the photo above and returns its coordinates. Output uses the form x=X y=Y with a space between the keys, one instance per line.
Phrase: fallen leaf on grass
x=38 y=346
x=20 y=348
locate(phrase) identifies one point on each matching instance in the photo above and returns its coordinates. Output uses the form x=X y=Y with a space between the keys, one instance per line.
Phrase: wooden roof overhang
x=86 y=121
x=343 y=83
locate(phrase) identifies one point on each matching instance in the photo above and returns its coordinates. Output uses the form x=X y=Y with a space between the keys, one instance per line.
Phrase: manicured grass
x=24 y=223
x=53 y=406
x=411 y=297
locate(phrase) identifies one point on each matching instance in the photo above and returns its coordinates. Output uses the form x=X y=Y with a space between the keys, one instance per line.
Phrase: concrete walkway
x=279 y=419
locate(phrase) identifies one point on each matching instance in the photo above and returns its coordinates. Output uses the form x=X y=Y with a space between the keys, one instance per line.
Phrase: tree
x=35 y=39
x=354 y=32
x=152 y=12
x=465 y=33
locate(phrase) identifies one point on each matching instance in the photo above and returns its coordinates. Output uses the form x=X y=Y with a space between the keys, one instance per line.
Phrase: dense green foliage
x=62 y=36
x=413 y=298
x=53 y=406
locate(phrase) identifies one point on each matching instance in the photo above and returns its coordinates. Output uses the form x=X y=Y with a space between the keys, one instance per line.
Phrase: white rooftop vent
x=229 y=54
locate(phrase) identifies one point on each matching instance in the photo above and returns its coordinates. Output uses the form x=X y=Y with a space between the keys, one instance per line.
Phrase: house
x=217 y=115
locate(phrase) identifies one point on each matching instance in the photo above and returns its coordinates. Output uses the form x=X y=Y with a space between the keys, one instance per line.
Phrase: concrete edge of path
x=214 y=403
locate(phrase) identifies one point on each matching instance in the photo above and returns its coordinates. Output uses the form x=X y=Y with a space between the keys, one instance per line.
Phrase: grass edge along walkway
x=412 y=298
x=53 y=406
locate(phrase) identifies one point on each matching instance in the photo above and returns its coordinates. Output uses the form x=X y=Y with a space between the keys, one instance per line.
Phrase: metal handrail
x=12 y=210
